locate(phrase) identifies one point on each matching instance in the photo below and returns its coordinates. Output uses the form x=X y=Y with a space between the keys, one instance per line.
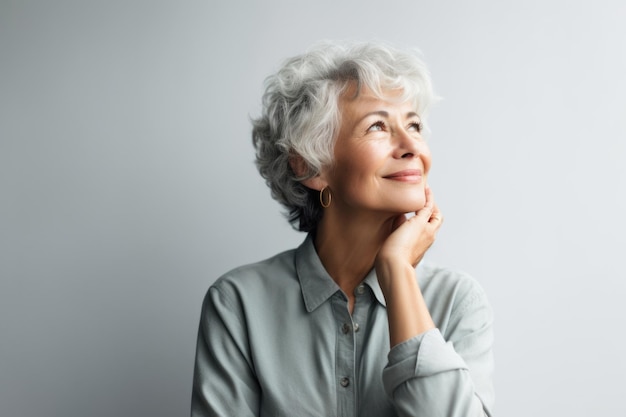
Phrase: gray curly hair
x=301 y=116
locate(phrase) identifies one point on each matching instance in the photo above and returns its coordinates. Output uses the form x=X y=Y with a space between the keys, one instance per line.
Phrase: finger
x=426 y=212
x=436 y=217
x=430 y=200
x=436 y=211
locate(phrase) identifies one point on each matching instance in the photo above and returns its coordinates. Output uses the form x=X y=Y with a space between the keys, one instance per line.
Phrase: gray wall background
x=127 y=186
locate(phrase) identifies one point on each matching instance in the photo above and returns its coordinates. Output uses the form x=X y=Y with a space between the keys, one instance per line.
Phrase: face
x=381 y=160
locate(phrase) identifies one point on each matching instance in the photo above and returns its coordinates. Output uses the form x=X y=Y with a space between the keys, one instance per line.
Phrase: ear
x=300 y=168
x=315 y=183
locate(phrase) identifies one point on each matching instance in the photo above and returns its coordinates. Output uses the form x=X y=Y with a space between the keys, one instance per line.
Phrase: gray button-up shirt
x=276 y=338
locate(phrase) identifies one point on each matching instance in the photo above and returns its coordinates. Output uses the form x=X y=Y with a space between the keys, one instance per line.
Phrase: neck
x=348 y=244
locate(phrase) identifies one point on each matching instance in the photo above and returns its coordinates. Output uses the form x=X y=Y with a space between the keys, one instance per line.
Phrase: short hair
x=301 y=115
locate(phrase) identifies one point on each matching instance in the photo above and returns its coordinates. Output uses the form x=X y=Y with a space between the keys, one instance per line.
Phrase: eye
x=379 y=126
x=415 y=127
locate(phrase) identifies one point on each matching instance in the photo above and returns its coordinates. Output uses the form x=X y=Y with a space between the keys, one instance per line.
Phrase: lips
x=407 y=175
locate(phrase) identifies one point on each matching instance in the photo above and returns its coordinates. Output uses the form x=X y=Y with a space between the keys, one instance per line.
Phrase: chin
x=399 y=203
x=412 y=207
x=416 y=204
x=415 y=208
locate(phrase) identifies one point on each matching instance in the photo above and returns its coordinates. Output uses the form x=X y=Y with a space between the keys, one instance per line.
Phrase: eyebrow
x=385 y=114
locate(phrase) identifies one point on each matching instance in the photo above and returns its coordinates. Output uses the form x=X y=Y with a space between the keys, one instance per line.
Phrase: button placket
x=347 y=327
x=360 y=290
x=345 y=357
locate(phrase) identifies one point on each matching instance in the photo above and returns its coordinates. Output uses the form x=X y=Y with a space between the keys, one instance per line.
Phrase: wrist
x=407 y=311
x=395 y=276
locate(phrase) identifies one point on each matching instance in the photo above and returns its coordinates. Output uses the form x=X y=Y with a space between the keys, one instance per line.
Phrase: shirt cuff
x=419 y=357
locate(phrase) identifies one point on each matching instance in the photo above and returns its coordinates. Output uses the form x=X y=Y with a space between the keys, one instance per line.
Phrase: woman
x=351 y=323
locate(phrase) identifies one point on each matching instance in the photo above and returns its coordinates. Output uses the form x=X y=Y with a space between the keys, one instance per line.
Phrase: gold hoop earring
x=326 y=203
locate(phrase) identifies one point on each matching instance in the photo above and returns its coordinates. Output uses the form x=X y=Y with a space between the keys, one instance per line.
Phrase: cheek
x=353 y=175
x=426 y=160
x=349 y=175
x=359 y=161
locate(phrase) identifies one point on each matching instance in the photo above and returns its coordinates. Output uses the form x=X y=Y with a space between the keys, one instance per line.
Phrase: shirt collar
x=372 y=281
x=317 y=286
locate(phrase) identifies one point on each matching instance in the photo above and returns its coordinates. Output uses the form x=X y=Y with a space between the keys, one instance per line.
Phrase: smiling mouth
x=408 y=175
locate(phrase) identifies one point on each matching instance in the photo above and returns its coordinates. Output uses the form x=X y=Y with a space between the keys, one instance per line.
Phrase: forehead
x=354 y=101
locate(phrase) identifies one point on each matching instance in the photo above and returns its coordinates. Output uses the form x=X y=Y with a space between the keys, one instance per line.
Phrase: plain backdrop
x=127 y=186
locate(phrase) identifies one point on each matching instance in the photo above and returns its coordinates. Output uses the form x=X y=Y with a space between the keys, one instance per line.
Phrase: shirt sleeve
x=224 y=383
x=431 y=376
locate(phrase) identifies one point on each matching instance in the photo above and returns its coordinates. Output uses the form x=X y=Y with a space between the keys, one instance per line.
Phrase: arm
x=224 y=383
x=427 y=375
x=449 y=376
x=395 y=268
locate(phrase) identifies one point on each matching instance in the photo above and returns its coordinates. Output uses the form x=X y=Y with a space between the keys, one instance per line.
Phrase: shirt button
x=360 y=290
x=345 y=328
x=344 y=381
x=356 y=327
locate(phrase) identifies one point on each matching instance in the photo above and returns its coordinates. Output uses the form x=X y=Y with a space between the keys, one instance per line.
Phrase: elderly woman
x=352 y=322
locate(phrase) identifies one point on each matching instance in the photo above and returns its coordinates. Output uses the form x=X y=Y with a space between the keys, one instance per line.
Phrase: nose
x=407 y=145
x=411 y=145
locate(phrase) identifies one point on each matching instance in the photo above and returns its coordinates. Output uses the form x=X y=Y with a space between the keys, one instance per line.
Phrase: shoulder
x=448 y=280
x=280 y=264
x=452 y=295
x=256 y=279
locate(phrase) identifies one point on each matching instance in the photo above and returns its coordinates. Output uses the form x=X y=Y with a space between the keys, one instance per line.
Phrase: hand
x=411 y=238
x=395 y=263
